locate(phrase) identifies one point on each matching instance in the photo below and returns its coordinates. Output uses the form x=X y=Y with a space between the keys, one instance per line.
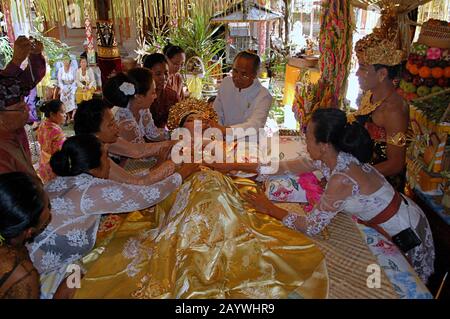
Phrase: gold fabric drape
x=203 y=242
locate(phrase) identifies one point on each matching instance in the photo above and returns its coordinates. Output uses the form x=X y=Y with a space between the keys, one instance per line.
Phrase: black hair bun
x=355 y=139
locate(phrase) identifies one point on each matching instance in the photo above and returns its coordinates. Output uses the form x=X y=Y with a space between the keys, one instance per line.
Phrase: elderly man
x=242 y=102
x=24 y=49
x=13 y=117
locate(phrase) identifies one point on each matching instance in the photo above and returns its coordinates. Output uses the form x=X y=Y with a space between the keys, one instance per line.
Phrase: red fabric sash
x=384 y=216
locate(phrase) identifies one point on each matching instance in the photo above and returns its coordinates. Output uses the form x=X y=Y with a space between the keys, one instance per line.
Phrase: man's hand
x=22 y=48
x=36 y=47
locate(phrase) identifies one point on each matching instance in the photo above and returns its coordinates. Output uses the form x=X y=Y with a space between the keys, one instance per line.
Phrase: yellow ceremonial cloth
x=195 y=86
x=83 y=95
x=203 y=242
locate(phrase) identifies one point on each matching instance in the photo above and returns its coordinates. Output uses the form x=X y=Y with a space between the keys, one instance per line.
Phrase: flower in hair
x=127 y=88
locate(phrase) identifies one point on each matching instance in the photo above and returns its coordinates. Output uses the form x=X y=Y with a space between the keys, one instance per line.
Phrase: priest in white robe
x=242 y=102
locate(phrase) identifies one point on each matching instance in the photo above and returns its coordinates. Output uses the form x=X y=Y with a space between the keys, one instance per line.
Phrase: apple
x=410 y=88
x=423 y=90
x=411 y=96
x=403 y=84
x=436 y=89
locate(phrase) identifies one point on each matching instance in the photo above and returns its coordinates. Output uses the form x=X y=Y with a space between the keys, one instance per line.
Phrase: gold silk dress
x=203 y=242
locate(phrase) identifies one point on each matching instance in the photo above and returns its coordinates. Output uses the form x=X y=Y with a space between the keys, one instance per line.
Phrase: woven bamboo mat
x=139 y=166
x=347 y=257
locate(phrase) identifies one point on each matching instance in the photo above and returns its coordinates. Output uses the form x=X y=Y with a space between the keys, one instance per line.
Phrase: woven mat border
x=347 y=257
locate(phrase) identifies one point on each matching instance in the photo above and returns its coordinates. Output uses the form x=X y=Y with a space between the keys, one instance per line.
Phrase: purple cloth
x=31 y=101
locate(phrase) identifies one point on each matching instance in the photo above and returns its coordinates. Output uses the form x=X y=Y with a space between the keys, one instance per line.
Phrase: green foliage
x=196 y=36
x=154 y=42
x=54 y=49
x=6 y=52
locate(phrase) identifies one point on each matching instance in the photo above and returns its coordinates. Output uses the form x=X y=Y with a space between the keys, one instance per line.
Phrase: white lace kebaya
x=77 y=205
x=360 y=190
x=136 y=131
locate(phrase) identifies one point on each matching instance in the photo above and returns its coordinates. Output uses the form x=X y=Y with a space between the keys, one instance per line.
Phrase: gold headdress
x=190 y=106
x=382 y=46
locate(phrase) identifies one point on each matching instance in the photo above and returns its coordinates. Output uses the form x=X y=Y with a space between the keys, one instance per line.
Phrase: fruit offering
x=427 y=70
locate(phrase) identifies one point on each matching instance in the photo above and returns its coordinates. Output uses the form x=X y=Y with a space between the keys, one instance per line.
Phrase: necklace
x=367 y=106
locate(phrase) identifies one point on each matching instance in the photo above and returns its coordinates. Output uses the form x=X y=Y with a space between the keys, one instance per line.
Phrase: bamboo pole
x=431 y=95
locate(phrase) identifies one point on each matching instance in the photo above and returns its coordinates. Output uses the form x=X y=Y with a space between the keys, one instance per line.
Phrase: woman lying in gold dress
x=203 y=241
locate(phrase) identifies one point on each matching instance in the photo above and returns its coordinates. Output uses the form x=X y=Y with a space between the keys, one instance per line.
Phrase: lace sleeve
x=128 y=127
x=77 y=203
x=136 y=150
x=107 y=196
x=332 y=202
x=151 y=131
x=118 y=174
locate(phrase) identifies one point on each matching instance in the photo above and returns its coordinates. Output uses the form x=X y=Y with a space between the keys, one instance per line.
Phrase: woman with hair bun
x=133 y=93
x=50 y=136
x=24 y=214
x=342 y=151
x=79 y=196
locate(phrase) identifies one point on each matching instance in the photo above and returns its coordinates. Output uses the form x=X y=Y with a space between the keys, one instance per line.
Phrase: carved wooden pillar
x=109 y=60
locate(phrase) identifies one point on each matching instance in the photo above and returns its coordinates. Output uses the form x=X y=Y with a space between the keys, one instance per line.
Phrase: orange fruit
x=425 y=72
x=413 y=69
x=408 y=65
x=437 y=72
x=447 y=72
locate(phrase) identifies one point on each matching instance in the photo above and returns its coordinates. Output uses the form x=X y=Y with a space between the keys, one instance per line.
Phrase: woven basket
x=435 y=36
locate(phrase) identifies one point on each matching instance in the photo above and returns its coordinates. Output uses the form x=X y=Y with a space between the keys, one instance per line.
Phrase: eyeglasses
x=235 y=73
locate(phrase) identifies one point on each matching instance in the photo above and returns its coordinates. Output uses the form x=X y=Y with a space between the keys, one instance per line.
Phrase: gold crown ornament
x=190 y=106
x=382 y=46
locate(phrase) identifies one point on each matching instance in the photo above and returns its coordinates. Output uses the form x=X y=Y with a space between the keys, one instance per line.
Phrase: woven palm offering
x=435 y=33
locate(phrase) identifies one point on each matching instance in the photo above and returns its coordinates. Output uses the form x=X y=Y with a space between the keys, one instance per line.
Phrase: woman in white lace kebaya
x=79 y=196
x=341 y=151
x=133 y=93
x=95 y=117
